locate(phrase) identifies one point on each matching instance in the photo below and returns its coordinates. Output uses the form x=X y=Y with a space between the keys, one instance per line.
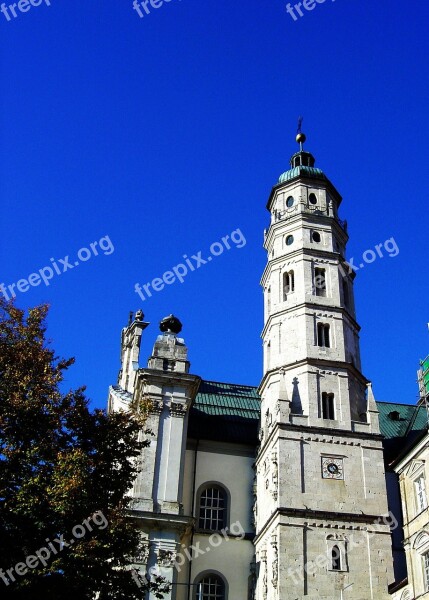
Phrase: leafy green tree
x=64 y=474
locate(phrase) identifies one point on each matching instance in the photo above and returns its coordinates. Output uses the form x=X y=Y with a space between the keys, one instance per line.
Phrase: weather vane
x=299 y=124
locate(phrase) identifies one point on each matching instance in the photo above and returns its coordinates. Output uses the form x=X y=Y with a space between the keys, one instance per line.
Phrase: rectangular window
x=328 y=406
x=426 y=570
x=320 y=281
x=323 y=339
x=420 y=485
x=346 y=293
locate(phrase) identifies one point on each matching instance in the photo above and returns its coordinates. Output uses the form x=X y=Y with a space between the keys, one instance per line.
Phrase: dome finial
x=170 y=324
x=300 y=137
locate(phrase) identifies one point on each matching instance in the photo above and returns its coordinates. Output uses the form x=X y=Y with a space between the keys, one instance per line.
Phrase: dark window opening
x=346 y=293
x=328 y=406
x=336 y=559
x=323 y=338
x=394 y=415
x=320 y=281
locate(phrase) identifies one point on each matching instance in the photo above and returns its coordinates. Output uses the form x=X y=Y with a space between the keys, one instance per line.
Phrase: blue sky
x=167 y=133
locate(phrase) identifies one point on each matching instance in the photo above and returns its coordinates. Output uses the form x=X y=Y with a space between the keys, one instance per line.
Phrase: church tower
x=322 y=529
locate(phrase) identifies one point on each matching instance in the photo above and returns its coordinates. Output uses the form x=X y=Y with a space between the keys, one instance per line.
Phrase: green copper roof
x=227 y=398
x=302 y=171
x=225 y=412
x=230 y=412
x=409 y=418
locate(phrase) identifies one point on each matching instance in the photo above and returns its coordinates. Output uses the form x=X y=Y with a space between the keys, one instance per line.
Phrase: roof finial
x=300 y=137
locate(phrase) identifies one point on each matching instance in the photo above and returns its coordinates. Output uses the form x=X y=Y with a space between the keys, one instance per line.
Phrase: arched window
x=312 y=199
x=288 y=284
x=323 y=337
x=212 y=508
x=328 y=406
x=210 y=587
x=336 y=558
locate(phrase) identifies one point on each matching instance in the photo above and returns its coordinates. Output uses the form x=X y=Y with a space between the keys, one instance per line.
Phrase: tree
x=64 y=474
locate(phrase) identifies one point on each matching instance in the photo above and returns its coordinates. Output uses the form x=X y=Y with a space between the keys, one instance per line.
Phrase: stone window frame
x=328 y=406
x=320 y=271
x=317 y=233
x=410 y=474
x=420 y=491
x=342 y=544
x=291 y=204
x=323 y=335
x=315 y=196
x=287 y=283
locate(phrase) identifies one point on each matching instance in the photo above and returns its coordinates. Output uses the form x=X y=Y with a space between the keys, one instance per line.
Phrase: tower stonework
x=321 y=511
x=164 y=391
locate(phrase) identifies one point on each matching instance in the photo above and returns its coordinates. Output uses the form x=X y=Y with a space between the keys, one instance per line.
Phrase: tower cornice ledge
x=313 y=433
x=332 y=365
x=169 y=377
x=309 y=253
x=325 y=431
x=359 y=520
x=340 y=310
x=310 y=219
x=317 y=183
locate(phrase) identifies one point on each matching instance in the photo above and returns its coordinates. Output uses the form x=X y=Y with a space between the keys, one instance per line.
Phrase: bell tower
x=321 y=516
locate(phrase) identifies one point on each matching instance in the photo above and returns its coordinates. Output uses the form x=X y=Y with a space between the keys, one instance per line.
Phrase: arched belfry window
x=288 y=284
x=336 y=558
x=210 y=587
x=212 y=508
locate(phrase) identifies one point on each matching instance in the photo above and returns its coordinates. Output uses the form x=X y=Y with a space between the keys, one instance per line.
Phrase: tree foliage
x=63 y=469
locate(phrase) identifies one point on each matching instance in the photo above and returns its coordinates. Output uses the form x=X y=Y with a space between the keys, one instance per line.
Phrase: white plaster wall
x=231 y=466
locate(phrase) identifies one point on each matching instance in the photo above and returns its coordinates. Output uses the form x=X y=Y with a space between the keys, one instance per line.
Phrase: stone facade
x=318 y=423
x=303 y=513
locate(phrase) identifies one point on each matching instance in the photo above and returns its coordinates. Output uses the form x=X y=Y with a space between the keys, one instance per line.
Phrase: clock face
x=332 y=467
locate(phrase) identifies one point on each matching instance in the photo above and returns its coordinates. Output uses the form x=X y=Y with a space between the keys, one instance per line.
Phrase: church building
x=281 y=492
